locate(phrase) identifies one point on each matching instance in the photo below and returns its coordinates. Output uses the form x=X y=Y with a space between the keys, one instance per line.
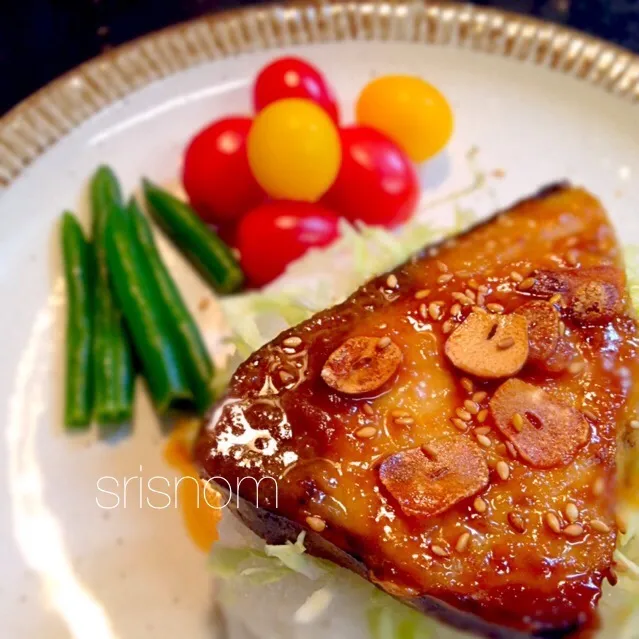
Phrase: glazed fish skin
x=522 y=544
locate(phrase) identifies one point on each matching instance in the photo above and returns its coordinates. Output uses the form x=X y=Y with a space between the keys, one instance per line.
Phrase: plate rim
x=42 y=119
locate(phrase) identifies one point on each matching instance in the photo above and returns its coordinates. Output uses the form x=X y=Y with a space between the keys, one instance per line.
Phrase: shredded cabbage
x=314 y=606
x=292 y=556
x=361 y=253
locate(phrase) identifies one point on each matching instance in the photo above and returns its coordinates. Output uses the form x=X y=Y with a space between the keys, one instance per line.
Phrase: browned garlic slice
x=429 y=480
x=593 y=294
x=543 y=329
x=361 y=365
x=489 y=346
x=545 y=432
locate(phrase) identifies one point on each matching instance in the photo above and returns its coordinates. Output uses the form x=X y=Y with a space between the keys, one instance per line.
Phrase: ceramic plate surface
x=536 y=103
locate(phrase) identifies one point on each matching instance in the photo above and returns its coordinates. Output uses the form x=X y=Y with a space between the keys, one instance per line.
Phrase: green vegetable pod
x=77 y=259
x=194 y=355
x=205 y=250
x=140 y=298
x=113 y=366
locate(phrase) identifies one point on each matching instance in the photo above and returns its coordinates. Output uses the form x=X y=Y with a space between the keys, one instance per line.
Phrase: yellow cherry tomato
x=408 y=110
x=294 y=150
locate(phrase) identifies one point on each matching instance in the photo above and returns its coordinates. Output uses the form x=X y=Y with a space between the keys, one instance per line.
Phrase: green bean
x=205 y=250
x=114 y=373
x=194 y=355
x=77 y=258
x=140 y=299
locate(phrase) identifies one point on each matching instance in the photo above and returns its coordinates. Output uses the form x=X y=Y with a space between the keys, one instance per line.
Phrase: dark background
x=40 y=39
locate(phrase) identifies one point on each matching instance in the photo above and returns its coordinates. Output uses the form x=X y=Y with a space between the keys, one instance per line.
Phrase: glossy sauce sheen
x=281 y=420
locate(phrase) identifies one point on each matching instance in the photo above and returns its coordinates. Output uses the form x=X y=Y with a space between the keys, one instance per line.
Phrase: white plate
x=72 y=569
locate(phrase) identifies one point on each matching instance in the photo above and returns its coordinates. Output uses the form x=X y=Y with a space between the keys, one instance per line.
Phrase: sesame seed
x=516 y=277
x=482 y=430
x=599 y=526
x=506 y=343
x=561 y=327
x=482 y=415
x=423 y=311
x=422 y=293
x=518 y=422
x=459 y=424
x=439 y=551
x=598 y=487
x=555 y=299
x=429 y=451
x=391 y=281
x=368 y=409
x=552 y=521
x=470 y=295
x=463 y=414
x=444 y=278
x=442 y=267
x=572 y=512
x=467 y=384
x=621 y=522
x=480 y=505
x=455 y=310
x=529 y=282
x=589 y=414
x=503 y=470
x=612 y=577
x=634 y=424
x=463 y=274
x=462 y=542
x=473 y=283
x=399 y=413
x=366 y=432
x=516 y=521
x=484 y=441
x=495 y=308
x=471 y=406
x=405 y=421
x=448 y=326
x=511 y=449
x=480 y=396
x=433 y=310
x=383 y=342
x=483 y=289
x=481 y=300
x=461 y=298
x=316 y=523
x=576 y=367
x=574 y=530
x=292 y=342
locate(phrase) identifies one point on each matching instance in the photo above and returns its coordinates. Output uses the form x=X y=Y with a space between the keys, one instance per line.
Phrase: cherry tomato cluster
x=276 y=184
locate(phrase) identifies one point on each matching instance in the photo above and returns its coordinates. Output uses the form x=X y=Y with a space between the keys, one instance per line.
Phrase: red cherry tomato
x=293 y=78
x=377 y=183
x=276 y=233
x=216 y=173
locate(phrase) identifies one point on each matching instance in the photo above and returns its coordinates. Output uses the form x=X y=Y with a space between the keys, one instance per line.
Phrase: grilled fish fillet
x=449 y=431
